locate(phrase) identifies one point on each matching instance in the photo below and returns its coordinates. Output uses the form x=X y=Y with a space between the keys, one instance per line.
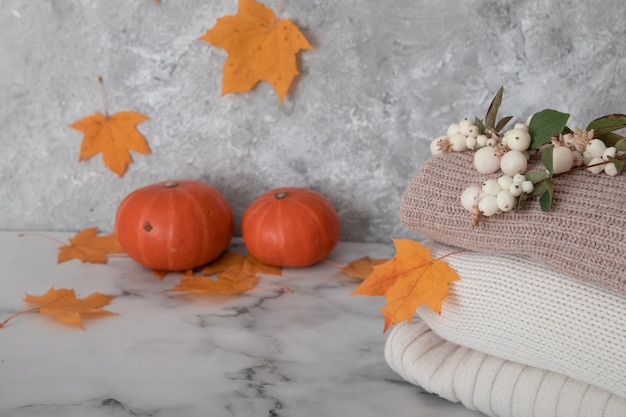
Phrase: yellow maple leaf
x=411 y=278
x=113 y=136
x=259 y=48
x=87 y=246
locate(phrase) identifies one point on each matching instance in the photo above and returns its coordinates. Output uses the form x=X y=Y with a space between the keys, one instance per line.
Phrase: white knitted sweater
x=516 y=309
x=494 y=386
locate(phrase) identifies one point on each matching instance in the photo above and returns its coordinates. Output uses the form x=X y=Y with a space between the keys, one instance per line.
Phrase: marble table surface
x=316 y=352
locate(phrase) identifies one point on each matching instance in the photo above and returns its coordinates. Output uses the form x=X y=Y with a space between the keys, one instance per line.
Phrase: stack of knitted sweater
x=536 y=325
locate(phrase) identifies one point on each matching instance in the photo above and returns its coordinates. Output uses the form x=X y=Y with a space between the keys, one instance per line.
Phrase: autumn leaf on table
x=63 y=305
x=238 y=266
x=87 y=246
x=259 y=47
x=222 y=285
x=410 y=279
x=236 y=275
x=361 y=268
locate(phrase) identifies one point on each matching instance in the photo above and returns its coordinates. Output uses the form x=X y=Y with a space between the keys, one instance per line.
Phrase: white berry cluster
x=583 y=150
x=495 y=195
x=509 y=153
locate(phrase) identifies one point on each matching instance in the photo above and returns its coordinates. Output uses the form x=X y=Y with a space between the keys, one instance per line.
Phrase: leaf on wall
x=260 y=48
x=114 y=137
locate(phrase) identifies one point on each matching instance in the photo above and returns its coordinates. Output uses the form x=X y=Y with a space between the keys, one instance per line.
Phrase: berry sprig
x=597 y=149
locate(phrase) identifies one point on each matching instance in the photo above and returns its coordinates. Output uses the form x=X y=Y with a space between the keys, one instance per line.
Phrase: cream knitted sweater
x=494 y=386
x=513 y=308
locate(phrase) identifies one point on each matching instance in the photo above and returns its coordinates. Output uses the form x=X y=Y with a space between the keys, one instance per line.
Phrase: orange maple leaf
x=410 y=279
x=63 y=305
x=259 y=48
x=222 y=285
x=88 y=247
x=361 y=268
x=238 y=266
x=114 y=136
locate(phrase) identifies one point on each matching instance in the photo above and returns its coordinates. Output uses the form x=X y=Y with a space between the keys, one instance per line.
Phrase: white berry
x=436 y=145
x=610 y=169
x=517 y=139
x=465 y=125
x=470 y=142
x=578 y=159
x=481 y=140
x=521 y=126
x=516 y=189
x=457 y=142
x=491 y=187
x=453 y=129
x=597 y=168
x=528 y=187
x=505 y=200
x=505 y=181
x=519 y=178
x=595 y=148
x=486 y=160
x=470 y=197
x=488 y=205
x=609 y=152
x=562 y=159
x=491 y=142
x=513 y=162
x=473 y=131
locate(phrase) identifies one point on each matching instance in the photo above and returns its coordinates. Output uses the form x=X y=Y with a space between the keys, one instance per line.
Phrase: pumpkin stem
x=281 y=195
x=171 y=184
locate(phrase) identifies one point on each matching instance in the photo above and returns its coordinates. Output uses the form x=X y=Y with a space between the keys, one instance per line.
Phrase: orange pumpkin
x=291 y=227
x=174 y=225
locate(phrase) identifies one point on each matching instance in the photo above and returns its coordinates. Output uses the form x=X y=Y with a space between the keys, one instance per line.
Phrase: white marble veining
x=316 y=352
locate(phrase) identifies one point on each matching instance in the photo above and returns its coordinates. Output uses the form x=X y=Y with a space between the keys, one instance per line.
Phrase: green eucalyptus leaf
x=479 y=123
x=621 y=145
x=619 y=164
x=545 y=201
x=544 y=125
x=607 y=123
x=547 y=159
x=539 y=189
x=500 y=125
x=492 y=112
x=609 y=138
x=536 y=176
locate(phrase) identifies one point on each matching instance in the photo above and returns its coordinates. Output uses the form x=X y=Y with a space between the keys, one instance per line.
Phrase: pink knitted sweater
x=583 y=236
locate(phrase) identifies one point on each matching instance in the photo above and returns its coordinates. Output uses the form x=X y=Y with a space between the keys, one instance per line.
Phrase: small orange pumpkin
x=174 y=225
x=292 y=227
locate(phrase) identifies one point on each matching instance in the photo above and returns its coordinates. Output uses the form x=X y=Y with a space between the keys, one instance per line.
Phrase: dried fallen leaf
x=222 y=285
x=410 y=279
x=63 y=305
x=114 y=136
x=259 y=48
x=160 y=274
x=238 y=266
x=88 y=247
x=362 y=268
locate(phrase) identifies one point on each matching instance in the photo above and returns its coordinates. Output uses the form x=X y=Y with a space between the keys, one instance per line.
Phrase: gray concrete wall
x=385 y=78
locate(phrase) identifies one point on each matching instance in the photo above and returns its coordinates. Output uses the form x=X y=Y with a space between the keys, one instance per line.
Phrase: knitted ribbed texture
x=494 y=386
x=584 y=235
x=514 y=308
